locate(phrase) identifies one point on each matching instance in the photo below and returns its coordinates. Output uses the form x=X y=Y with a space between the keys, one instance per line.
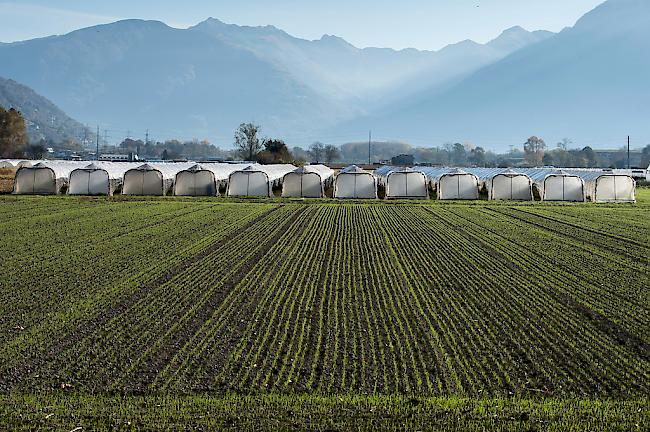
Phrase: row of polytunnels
x=312 y=181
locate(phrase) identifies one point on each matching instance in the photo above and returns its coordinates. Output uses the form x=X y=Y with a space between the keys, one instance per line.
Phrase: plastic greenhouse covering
x=7 y=164
x=45 y=177
x=152 y=179
x=452 y=183
x=504 y=184
x=257 y=180
x=17 y=163
x=605 y=186
x=99 y=178
x=401 y=182
x=309 y=181
x=250 y=179
x=204 y=179
x=354 y=182
x=557 y=185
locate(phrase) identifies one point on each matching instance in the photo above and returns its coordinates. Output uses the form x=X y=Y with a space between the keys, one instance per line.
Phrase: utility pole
x=97 y=141
x=369 y=141
x=628 y=152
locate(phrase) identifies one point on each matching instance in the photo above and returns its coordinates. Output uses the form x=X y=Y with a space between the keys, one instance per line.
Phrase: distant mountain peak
x=214 y=24
x=335 y=40
x=514 y=30
x=516 y=37
x=211 y=20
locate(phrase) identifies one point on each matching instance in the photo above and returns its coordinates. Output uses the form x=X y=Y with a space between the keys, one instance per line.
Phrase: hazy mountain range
x=589 y=83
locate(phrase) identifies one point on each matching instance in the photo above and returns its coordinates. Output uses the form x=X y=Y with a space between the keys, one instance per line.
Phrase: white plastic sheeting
x=504 y=184
x=353 y=182
x=573 y=184
x=452 y=183
x=309 y=181
x=257 y=180
x=44 y=178
x=152 y=179
x=222 y=171
x=204 y=179
x=557 y=185
x=98 y=178
x=402 y=182
x=195 y=181
x=605 y=186
x=17 y=163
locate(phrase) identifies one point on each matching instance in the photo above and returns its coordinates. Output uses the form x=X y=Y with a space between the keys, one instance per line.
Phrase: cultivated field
x=477 y=311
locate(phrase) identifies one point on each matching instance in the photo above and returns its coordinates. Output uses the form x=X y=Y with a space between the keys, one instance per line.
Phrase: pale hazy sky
x=423 y=24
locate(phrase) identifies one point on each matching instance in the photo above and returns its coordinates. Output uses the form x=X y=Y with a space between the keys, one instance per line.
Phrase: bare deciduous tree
x=534 y=150
x=247 y=143
x=331 y=153
x=316 y=151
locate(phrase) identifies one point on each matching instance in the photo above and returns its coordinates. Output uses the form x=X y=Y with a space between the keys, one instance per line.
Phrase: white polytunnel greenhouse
x=452 y=183
x=354 y=182
x=402 y=182
x=222 y=171
x=98 y=178
x=25 y=163
x=151 y=179
x=204 y=179
x=195 y=181
x=603 y=186
x=309 y=181
x=17 y=163
x=504 y=184
x=257 y=180
x=557 y=184
x=44 y=178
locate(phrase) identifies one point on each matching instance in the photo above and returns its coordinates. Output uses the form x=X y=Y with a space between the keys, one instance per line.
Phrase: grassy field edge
x=75 y=411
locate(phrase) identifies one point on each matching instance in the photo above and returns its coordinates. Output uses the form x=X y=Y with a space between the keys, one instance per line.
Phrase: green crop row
x=183 y=296
x=316 y=412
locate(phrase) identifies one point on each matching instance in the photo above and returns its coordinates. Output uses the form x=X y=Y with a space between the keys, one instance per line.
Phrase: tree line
x=248 y=145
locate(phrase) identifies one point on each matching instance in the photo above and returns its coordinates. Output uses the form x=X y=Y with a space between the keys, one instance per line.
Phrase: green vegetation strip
x=313 y=412
x=195 y=297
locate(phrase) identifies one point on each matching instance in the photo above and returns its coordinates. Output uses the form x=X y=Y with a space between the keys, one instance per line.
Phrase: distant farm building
x=403 y=160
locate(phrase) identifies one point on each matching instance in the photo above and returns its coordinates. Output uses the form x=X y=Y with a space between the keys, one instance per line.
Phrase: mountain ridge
x=587 y=83
x=204 y=80
x=44 y=120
